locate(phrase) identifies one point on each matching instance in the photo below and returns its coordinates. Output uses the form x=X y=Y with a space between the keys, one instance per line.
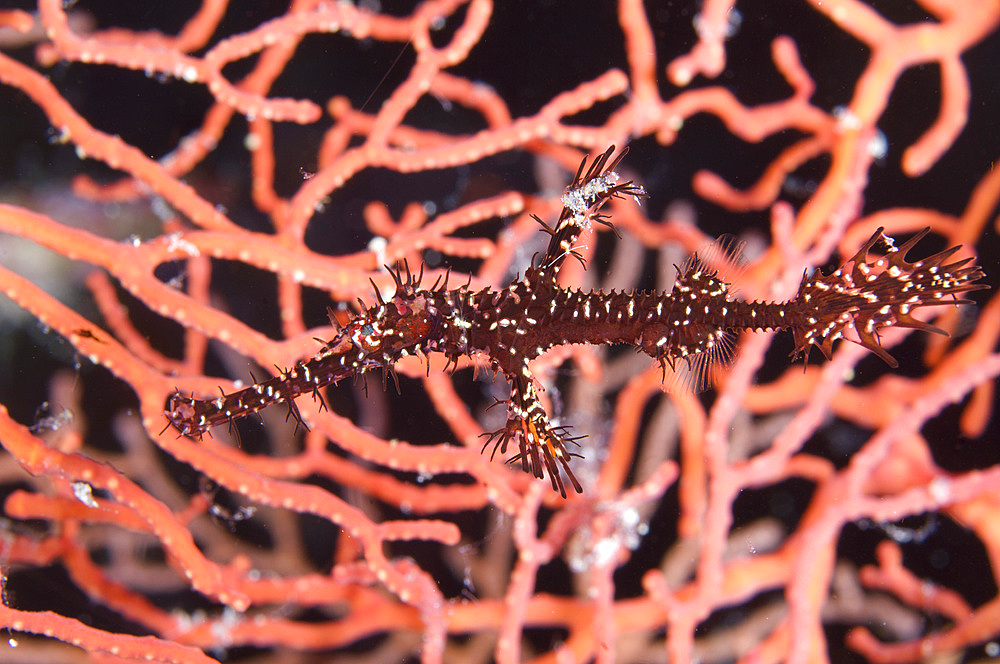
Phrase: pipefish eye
x=370 y=337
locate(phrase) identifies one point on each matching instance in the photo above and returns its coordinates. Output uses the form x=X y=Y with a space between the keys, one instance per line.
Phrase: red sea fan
x=229 y=171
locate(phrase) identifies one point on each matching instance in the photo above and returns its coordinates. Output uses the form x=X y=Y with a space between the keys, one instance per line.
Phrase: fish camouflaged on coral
x=694 y=322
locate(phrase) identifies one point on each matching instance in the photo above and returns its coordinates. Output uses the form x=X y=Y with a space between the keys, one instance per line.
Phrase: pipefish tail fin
x=866 y=295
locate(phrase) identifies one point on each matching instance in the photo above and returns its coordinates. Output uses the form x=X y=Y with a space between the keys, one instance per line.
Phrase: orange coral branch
x=231 y=174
